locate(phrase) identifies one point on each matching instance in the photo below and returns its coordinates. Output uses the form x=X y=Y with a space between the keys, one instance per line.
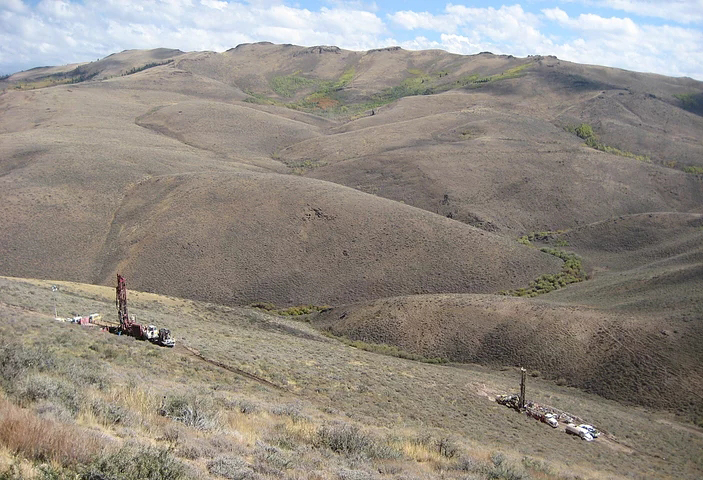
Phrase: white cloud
x=71 y=31
x=423 y=20
x=622 y=43
x=216 y=4
x=56 y=32
x=358 y=5
x=556 y=14
x=13 y=6
x=508 y=29
x=680 y=11
x=586 y=38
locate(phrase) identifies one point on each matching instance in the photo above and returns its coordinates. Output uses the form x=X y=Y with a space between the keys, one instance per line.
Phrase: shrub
x=467 y=464
x=270 y=459
x=503 y=470
x=349 y=440
x=83 y=373
x=53 y=411
x=447 y=448
x=43 y=387
x=190 y=452
x=585 y=132
x=135 y=462
x=571 y=272
x=536 y=465
x=298 y=309
x=16 y=360
x=110 y=413
x=288 y=85
x=693 y=102
x=497 y=458
x=345 y=474
x=231 y=467
x=144 y=67
x=244 y=406
x=343 y=438
x=696 y=170
x=190 y=411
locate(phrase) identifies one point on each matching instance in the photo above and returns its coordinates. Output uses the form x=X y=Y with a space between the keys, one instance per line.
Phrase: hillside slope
x=228 y=238
x=302 y=404
x=286 y=174
x=632 y=332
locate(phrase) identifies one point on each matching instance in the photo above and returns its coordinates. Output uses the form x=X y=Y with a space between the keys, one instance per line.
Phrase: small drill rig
x=159 y=336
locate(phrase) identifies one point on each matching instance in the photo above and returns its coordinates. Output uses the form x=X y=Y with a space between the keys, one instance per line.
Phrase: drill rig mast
x=121 y=302
x=129 y=327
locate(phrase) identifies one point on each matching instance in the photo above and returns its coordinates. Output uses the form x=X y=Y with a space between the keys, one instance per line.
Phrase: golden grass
x=251 y=426
x=301 y=431
x=419 y=452
x=136 y=399
x=23 y=432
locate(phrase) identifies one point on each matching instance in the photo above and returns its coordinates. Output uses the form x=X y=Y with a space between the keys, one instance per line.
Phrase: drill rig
x=129 y=327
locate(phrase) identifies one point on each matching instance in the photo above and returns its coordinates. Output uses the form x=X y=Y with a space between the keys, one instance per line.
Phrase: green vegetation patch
x=585 y=132
x=694 y=169
x=693 y=102
x=261 y=99
x=571 y=272
x=345 y=79
x=476 y=81
x=146 y=66
x=77 y=75
x=290 y=311
x=329 y=98
x=289 y=85
x=545 y=236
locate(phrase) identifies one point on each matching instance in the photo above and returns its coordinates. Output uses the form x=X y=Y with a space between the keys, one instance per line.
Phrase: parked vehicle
x=586 y=432
x=128 y=325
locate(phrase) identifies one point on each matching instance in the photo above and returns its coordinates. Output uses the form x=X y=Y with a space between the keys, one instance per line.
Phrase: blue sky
x=660 y=36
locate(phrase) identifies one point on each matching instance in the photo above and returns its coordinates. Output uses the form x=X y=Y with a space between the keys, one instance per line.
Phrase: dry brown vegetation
x=338 y=412
x=45 y=440
x=392 y=186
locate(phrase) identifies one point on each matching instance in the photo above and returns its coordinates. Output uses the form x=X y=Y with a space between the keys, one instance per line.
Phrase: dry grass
x=23 y=433
x=339 y=409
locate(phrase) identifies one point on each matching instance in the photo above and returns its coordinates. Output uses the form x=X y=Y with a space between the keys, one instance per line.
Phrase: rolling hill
x=390 y=185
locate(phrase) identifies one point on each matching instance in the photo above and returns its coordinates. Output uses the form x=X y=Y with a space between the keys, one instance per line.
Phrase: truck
x=128 y=326
x=160 y=336
x=586 y=432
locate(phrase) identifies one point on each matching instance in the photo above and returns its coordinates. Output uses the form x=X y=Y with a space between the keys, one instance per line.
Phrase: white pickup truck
x=586 y=432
